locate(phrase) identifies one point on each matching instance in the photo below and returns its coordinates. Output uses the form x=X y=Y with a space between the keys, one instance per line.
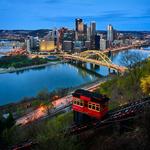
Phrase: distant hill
x=24 y=33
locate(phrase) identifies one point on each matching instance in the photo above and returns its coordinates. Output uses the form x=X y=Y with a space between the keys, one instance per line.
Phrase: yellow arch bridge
x=94 y=57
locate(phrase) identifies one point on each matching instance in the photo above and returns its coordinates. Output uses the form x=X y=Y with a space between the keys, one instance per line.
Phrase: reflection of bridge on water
x=94 y=57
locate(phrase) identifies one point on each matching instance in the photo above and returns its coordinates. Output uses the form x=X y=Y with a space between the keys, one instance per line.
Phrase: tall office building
x=67 y=46
x=93 y=28
x=32 y=43
x=85 y=28
x=103 y=44
x=28 y=45
x=110 y=33
x=79 y=25
x=88 y=33
x=93 y=33
x=88 y=45
x=55 y=34
x=61 y=33
x=97 y=42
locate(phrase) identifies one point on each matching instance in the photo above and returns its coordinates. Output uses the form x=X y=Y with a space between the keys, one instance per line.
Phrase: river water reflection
x=15 y=86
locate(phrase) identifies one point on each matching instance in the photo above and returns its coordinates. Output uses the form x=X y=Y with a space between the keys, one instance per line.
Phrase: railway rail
x=123 y=113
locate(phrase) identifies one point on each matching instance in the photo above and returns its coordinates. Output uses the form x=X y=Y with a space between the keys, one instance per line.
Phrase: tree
x=145 y=85
x=48 y=106
x=2 y=125
x=43 y=95
x=133 y=61
x=10 y=121
x=130 y=59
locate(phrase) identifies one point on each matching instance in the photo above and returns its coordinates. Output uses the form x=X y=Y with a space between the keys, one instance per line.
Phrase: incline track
x=123 y=113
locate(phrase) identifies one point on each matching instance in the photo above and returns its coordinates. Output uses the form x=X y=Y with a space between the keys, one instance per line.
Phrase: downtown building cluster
x=83 y=37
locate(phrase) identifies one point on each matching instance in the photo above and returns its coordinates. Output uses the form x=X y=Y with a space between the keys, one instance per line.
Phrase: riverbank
x=12 y=107
x=10 y=70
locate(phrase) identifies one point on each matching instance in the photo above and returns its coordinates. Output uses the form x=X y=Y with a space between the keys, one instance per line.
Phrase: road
x=59 y=105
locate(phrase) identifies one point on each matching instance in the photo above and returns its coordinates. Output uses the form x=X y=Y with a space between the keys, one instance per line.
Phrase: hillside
x=128 y=135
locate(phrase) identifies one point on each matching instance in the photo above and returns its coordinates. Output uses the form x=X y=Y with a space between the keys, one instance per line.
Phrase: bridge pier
x=97 y=66
x=79 y=63
x=109 y=54
x=74 y=61
x=92 y=66
x=84 y=65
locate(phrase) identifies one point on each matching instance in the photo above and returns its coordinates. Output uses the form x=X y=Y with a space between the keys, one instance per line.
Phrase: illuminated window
x=97 y=108
x=81 y=103
x=90 y=105
x=93 y=106
x=78 y=102
x=75 y=102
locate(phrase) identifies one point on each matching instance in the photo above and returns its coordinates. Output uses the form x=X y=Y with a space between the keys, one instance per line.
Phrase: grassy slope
x=123 y=89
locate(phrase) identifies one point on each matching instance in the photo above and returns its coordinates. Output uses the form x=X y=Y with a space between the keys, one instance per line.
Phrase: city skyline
x=37 y=14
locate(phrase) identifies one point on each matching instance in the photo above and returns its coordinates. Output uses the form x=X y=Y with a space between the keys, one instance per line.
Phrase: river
x=15 y=86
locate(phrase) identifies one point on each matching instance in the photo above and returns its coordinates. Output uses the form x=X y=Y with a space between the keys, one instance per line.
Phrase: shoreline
x=4 y=70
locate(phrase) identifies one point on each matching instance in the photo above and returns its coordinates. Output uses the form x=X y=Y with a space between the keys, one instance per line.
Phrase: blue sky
x=37 y=14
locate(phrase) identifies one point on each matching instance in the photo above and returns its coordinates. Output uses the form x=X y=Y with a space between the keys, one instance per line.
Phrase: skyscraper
x=110 y=33
x=97 y=42
x=88 y=33
x=93 y=33
x=93 y=28
x=85 y=28
x=32 y=43
x=55 y=36
x=103 y=44
x=79 y=25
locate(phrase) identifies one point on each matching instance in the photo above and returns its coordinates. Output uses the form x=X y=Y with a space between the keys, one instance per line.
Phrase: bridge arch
x=101 y=56
x=102 y=59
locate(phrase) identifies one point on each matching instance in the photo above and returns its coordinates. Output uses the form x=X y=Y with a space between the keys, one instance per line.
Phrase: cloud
x=63 y=12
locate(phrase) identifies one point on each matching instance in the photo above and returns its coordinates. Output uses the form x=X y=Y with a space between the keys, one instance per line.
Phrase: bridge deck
x=97 y=62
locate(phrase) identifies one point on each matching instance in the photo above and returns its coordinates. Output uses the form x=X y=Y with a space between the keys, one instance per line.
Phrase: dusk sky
x=38 y=14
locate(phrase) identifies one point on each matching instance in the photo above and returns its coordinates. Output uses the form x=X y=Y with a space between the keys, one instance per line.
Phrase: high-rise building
x=78 y=46
x=49 y=36
x=110 y=33
x=79 y=25
x=88 y=45
x=93 y=28
x=69 y=35
x=61 y=36
x=32 y=43
x=28 y=45
x=55 y=34
x=67 y=46
x=103 y=44
x=88 y=33
x=85 y=28
x=93 y=33
x=97 y=42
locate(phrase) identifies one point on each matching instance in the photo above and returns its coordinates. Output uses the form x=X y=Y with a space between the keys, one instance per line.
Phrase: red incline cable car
x=89 y=103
